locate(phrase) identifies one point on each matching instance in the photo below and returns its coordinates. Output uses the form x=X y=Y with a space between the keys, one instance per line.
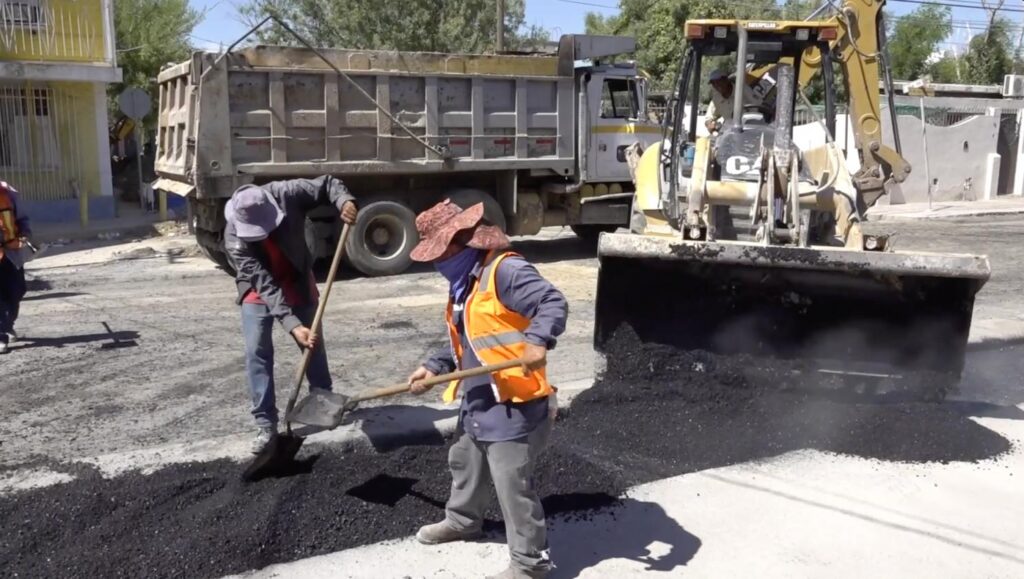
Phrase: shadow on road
x=37 y=284
x=992 y=379
x=51 y=296
x=393 y=426
x=553 y=250
x=116 y=339
x=633 y=530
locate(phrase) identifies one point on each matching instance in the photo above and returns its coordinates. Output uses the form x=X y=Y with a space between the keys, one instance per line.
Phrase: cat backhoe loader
x=744 y=244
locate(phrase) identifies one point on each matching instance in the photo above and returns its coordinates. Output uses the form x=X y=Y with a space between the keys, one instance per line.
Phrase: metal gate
x=40 y=148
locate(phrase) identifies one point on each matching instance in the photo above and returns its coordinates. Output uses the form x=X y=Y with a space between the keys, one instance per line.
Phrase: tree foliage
x=915 y=37
x=467 y=26
x=990 y=55
x=150 y=34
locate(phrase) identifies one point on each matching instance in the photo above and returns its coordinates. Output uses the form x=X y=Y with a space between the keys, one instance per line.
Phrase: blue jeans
x=257 y=328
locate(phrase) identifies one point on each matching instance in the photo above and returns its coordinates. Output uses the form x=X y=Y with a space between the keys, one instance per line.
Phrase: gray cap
x=254 y=212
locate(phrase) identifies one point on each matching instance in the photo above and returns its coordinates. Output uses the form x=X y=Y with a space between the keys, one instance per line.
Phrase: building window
x=25 y=13
x=28 y=133
x=618 y=99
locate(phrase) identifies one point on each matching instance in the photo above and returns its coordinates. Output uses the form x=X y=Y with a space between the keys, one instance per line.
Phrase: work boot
x=443 y=532
x=517 y=573
x=263 y=437
x=4 y=348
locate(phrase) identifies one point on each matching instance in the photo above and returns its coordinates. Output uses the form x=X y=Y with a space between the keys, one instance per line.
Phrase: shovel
x=327 y=409
x=280 y=452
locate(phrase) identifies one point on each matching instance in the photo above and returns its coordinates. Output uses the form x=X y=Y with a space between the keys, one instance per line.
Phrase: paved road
x=171 y=373
x=179 y=374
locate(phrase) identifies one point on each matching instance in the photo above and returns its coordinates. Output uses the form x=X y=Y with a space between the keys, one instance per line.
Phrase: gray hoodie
x=296 y=198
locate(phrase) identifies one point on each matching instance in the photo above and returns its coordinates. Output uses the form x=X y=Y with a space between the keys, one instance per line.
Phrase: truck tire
x=591 y=232
x=466 y=198
x=212 y=246
x=382 y=238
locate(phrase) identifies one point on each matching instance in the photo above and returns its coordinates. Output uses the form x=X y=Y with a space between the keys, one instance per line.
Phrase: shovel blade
x=276 y=459
x=321 y=408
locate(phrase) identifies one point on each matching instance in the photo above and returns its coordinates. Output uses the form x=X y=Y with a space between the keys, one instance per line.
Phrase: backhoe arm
x=857 y=49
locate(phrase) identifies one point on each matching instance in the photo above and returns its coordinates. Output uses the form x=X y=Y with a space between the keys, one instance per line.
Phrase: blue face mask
x=456 y=270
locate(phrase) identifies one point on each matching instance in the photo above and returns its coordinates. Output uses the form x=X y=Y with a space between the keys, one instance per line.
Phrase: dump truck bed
x=282 y=111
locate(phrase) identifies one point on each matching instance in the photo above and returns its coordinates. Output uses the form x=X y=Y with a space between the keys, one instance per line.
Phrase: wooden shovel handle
x=400 y=388
x=307 y=355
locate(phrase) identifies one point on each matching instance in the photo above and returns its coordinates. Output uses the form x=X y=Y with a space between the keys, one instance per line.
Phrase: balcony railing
x=45 y=30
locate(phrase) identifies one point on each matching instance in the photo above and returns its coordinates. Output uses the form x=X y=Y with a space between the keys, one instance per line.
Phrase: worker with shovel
x=499 y=309
x=265 y=240
x=14 y=233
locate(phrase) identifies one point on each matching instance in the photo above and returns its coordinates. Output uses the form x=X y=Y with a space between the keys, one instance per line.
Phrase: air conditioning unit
x=1013 y=86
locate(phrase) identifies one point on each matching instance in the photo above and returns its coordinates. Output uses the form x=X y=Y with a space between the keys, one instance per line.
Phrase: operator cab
x=753 y=50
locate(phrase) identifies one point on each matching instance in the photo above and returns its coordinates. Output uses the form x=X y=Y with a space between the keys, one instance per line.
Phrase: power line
x=593 y=4
x=959 y=4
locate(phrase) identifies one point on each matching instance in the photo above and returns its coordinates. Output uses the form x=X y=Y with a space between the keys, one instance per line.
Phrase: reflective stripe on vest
x=495 y=333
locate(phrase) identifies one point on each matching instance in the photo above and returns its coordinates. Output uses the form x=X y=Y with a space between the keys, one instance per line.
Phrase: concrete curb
x=940 y=214
x=124 y=232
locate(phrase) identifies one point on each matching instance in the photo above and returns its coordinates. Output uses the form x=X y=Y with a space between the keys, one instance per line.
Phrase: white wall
x=959 y=155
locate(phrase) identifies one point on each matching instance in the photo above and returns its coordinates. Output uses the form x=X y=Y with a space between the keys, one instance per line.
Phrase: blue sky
x=560 y=17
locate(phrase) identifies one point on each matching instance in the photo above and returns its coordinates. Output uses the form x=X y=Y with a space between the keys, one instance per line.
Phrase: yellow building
x=56 y=59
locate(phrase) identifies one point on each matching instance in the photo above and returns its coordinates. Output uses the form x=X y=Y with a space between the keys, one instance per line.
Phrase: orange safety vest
x=496 y=335
x=10 y=238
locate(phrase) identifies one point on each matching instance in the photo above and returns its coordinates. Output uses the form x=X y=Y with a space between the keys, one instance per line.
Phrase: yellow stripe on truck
x=628 y=129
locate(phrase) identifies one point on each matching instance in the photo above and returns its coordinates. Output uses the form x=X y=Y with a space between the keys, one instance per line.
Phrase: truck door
x=618 y=119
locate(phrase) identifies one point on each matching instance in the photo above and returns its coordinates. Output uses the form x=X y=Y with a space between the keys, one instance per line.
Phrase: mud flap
x=826 y=312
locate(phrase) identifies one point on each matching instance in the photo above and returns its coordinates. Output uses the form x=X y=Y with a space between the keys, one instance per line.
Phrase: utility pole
x=500 y=46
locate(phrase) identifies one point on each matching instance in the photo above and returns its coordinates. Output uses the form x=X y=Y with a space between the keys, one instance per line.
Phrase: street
x=131 y=361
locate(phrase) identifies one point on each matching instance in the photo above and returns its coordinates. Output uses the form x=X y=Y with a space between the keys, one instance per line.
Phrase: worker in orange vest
x=14 y=234
x=499 y=309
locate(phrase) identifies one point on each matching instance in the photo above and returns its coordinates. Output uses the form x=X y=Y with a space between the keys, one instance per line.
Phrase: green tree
x=947 y=69
x=990 y=55
x=415 y=25
x=913 y=39
x=150 y=34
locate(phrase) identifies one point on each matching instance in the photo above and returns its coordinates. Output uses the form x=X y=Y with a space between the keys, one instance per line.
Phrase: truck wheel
x=382 y=238
x=591 y=232
x=212 y=246
x=465 y=198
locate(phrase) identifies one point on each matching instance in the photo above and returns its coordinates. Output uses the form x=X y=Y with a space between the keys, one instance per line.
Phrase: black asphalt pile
x=660 y=412
x=655 y=413
x=200 y=520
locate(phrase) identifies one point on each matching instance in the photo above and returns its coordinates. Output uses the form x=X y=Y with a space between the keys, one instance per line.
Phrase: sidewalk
x=1006 y=205
x=132 y=222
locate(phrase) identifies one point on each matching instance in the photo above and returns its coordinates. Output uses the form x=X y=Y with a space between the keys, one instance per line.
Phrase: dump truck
x=539 y=139
x=742 y=244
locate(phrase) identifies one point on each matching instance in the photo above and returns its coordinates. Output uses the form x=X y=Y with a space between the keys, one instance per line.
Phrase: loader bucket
x=830 y=317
